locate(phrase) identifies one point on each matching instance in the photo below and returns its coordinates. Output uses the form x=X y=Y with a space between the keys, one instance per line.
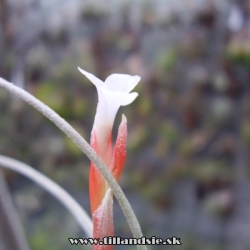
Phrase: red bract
x=100 y=194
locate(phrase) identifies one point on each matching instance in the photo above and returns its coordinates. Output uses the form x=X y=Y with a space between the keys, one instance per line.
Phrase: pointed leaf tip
x=124 y=119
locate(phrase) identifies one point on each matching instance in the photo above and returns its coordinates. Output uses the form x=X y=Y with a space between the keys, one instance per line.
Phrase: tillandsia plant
x=112 y=94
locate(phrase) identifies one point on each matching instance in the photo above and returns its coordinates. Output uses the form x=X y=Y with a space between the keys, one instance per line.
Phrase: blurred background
x=188 y=166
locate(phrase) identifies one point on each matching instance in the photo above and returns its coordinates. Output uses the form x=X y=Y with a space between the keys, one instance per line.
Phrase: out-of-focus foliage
x=188 y=167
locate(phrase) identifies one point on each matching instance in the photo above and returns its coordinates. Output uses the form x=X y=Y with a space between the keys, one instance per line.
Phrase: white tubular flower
x=112 y=94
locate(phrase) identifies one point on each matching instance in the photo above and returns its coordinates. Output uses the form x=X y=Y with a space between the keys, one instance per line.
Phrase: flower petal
x=126 y=99
x=96 y=81
x=122 y=82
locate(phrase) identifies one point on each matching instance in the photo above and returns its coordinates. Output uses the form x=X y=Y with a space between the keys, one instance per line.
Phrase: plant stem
x=86 y=148
x=76 y=210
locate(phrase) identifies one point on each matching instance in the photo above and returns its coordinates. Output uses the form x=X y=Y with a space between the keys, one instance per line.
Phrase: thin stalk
x=11 y=231
x=66 y=199
x=86 y=148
